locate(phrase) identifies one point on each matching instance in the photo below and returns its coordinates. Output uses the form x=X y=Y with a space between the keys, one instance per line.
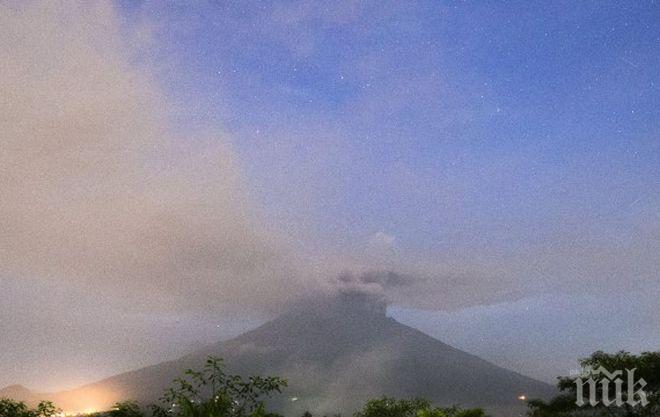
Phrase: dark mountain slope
x=336 y=354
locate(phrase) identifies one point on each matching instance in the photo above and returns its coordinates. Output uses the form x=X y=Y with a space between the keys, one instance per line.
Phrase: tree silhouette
x=212 y=392
x=11 y=408
x=418 y=407
x=646 y=366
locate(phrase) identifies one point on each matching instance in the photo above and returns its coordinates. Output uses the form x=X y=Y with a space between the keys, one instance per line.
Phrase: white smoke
x=96 y=191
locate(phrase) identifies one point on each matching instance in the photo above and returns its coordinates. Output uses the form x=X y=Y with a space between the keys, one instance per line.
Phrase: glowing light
x=522 y=397
x=85 y=412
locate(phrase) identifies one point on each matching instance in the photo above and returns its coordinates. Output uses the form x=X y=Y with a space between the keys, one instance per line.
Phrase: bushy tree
x=419 y=407
x=212 y=392
x=11 y=408
x=646 y=366
x=124 y=409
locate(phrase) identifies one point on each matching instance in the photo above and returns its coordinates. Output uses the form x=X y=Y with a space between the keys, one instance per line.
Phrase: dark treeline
x=211 y=392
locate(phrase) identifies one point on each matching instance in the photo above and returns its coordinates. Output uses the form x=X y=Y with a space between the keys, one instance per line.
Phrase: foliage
x=212 y=392
x=10 y=408
x=389 y=407
x=123 y=409
x=646 y=366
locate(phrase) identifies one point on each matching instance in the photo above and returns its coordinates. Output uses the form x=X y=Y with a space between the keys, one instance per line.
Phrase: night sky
x=173 y=173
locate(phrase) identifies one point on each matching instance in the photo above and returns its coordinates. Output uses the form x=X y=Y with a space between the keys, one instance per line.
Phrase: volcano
x=336 y=352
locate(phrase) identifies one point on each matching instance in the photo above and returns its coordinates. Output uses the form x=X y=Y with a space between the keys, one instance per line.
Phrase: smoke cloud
x=97 y=191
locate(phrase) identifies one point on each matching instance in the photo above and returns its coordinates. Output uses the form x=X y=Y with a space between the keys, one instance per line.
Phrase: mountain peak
x=337 y=351
x=344 y=305
x=16 y=392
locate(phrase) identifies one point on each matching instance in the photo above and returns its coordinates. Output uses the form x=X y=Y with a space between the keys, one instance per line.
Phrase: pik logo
x=607 y=388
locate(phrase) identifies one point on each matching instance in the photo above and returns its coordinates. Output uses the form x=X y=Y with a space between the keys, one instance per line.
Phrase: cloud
x=372 y=282
x=99 y=195
x=108 y=216
x=381 y=242
x=97 y=191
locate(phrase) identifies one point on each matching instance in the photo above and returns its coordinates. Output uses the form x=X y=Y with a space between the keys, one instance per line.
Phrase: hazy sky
x=173 y=173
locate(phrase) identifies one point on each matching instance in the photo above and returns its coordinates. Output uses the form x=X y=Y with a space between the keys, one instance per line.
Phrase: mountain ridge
x=336 y=353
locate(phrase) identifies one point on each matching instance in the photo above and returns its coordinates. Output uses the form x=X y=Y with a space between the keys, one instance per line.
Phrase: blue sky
x=510 y=113
x=519 y=133
x=504 y=157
